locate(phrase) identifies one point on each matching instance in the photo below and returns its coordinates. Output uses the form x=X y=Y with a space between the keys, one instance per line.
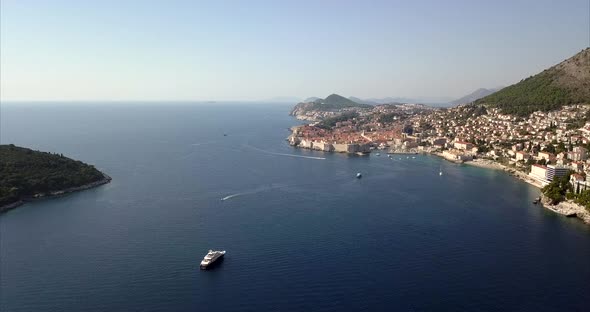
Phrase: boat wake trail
x=202 y=143
x=231 y=196
x=283 y=154
x=258 y=190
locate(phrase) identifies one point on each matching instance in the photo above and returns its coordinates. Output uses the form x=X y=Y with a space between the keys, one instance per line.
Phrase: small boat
x=210 y=258
x=359 y=175
x=440 y=171
x=225 y=134
x=377 y=154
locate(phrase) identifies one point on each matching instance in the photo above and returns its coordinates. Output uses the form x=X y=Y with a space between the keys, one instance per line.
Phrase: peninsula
x=537 y=129
x=27 y=175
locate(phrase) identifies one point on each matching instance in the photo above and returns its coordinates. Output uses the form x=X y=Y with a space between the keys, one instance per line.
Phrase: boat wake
x=283 y=154
x=231 y=196
x=258 y=190
x=202 y=143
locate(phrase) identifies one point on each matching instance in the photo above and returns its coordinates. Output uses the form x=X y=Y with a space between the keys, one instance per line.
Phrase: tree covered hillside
x=25 y=172
x=565 y=83
x=332 y=102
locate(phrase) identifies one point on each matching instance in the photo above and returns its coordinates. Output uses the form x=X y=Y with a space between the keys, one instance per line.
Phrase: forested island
x=27 y=175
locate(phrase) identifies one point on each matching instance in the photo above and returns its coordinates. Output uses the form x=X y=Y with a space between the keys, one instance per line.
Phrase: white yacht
x=211 y=257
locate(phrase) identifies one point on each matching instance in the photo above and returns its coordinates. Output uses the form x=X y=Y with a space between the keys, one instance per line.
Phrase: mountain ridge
x=565 y=83
x=475 y=95
x=331 y=102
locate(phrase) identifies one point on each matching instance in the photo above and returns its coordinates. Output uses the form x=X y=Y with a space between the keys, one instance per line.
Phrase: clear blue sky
x=246 y=50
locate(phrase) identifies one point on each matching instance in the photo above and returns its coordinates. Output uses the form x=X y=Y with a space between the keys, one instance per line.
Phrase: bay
x=301 y=232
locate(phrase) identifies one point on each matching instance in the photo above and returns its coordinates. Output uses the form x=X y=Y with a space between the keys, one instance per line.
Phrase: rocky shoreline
x=106 y=179
x=567 y=208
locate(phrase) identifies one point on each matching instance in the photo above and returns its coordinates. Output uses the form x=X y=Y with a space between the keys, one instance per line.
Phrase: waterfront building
x=456 y=155
x=322 y=146
x=556 y=172
x=462 y=145
x=539 y=173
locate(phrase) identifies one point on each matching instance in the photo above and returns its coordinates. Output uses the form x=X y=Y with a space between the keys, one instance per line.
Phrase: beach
x=490 y=164
x=566 y=208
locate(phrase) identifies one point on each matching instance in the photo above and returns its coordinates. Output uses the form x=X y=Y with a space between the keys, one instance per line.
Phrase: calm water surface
x=302 y=234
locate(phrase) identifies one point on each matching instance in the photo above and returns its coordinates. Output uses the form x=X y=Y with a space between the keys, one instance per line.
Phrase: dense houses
x=545 y=144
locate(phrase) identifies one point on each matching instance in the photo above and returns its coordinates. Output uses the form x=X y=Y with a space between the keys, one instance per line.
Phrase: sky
x=252 y=50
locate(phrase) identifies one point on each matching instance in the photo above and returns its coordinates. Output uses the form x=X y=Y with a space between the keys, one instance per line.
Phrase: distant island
x=27 y=175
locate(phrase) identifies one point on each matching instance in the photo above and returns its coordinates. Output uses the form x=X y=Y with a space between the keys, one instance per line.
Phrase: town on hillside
x=538 y=128
x=545 y=145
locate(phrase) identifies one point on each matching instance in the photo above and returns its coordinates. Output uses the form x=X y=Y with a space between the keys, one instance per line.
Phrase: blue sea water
x=301 y=233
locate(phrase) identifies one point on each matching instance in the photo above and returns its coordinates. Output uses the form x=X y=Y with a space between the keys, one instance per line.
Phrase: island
x=27 y=175
x=537 y=130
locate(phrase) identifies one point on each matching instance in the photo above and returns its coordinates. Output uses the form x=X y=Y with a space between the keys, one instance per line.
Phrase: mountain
x=331 y=103
x=311 y=99
x=475 y=95
x=565 y=83
x=338 y=101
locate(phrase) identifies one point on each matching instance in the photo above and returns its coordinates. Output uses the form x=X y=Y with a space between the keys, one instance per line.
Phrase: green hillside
x=25 y=172
x=332 y=103
x=565 y=83
x=337 y=101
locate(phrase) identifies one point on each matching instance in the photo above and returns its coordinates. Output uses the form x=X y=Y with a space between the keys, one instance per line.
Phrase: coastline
x=106 y=179
x=566 y=208
x=489 y=164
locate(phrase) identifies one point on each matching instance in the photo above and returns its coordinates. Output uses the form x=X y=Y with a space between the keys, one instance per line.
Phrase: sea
x=300 y=231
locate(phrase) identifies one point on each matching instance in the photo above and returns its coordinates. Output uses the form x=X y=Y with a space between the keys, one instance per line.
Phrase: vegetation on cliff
x=25 y=173
x=565 y=83
x=557 y=190
x=583 y=199
x=560 y=189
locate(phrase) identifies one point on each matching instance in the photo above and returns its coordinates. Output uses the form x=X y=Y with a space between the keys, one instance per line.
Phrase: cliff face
x=567 y=208
x=302 y=108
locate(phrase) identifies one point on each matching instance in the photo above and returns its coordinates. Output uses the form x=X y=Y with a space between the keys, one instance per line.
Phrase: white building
x=539 y=173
